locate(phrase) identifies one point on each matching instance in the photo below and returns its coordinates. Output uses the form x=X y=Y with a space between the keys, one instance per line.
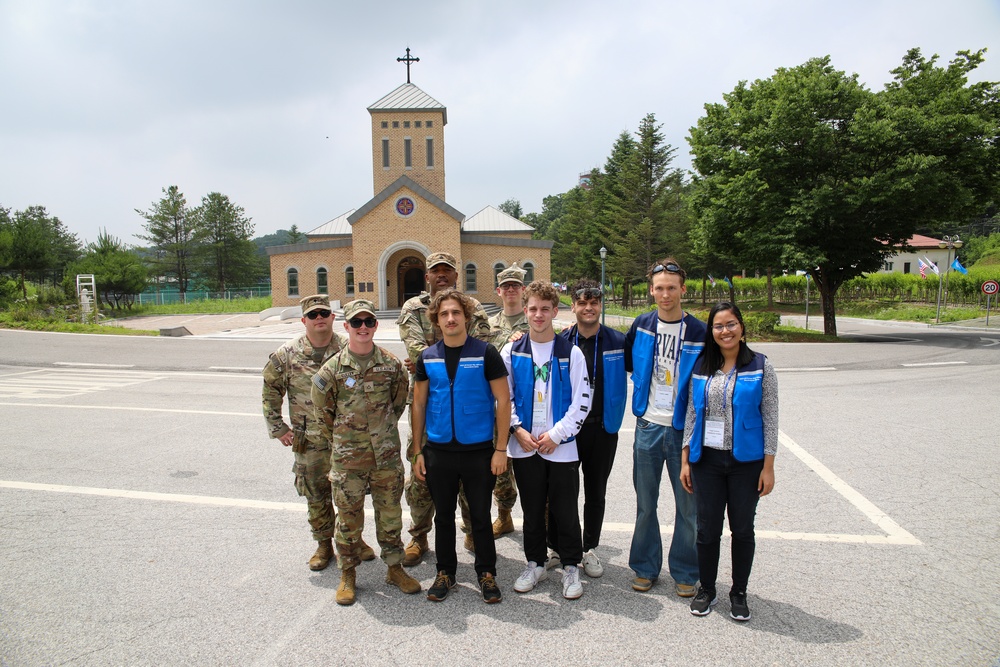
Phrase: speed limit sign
x=990 y=287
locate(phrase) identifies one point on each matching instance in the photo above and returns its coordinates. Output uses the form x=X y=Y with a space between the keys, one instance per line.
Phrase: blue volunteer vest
x=748 y=424
x=523 y=373
x=463 y=409
x=611 y=350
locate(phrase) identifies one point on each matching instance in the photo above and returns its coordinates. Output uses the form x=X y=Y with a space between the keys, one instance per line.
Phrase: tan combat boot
x=470 y=544
x=345 y=589
x=366 y=553
x=323 y=555
x=398 y=577
x=503 y=525
x=415 y=550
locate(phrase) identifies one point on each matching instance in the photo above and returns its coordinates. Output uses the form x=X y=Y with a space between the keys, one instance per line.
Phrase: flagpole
x=948 y=242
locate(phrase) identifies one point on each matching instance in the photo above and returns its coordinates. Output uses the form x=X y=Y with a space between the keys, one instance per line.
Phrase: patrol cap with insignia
x=314 y=302
x=436 y=258
x=512 y=274
x=357 y=307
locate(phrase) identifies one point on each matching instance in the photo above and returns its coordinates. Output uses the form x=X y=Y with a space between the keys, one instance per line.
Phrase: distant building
x=377 y=251
x=922 y=246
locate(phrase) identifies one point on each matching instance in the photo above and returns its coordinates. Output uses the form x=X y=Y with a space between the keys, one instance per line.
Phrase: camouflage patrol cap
x=512 y=274
x=314 y=302
x=436 y=258
x=357 y=307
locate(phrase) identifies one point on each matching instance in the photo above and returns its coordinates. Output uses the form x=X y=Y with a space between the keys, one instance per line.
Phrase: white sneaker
x=532 y=574
x=553 y=560
x=592 y=564
x=572 y=588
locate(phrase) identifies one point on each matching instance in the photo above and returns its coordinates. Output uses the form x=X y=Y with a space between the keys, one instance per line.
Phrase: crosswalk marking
x=68 y=382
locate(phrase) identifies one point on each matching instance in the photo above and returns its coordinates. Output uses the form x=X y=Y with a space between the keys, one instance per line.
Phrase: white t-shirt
x=663 y=383
x=541 y=421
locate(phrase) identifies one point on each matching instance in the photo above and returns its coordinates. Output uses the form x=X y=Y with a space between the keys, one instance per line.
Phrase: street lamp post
x=948 y=242
x=604 y=297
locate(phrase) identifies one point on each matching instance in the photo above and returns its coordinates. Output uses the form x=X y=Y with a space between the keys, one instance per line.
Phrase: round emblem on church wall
x=405 y=207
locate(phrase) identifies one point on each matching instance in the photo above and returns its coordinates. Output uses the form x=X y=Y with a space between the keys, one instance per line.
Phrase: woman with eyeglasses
x=727 y=461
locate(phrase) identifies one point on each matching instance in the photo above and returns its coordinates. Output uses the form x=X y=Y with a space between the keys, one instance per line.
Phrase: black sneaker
x=491 y=592
x=702 y=603
x=443 y=583
x=740 y=611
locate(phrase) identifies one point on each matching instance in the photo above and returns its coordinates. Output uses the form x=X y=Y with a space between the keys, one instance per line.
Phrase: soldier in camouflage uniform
x=360 y=394
x=509 y=321
x=418 y=333
x=289 y=371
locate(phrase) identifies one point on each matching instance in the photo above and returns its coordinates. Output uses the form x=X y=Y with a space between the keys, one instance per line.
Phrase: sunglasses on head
x=313 y=314
x=589 y=293
x=669 y=268
x=357 y=322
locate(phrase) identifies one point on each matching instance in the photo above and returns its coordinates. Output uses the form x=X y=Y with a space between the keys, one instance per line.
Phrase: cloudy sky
x=106 y=102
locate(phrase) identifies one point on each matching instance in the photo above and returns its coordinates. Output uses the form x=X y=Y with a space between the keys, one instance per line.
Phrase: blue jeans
x=655 y=446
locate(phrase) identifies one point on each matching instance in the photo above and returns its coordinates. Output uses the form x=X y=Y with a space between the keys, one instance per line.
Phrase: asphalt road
x=146 y=519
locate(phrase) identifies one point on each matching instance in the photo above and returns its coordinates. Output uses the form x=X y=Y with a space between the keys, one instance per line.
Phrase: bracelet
x=499 y=450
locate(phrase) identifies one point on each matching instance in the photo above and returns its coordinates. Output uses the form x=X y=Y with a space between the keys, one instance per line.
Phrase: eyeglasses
x=313 y=314
x=669 y=268
x=589 y=293
x=728 y=326
x=510 y=287
x=369 y=322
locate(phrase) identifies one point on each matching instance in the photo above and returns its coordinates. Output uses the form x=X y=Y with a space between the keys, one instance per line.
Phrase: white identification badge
x=715 y=432
x=350 y=382
x=663 y=397
x=539 y=411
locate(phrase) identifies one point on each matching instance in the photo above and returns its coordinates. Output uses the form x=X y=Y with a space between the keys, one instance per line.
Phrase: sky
x=103 y=104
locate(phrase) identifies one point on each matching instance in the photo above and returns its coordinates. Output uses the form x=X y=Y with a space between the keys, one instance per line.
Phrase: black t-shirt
x=595 y=370
x=493 y=369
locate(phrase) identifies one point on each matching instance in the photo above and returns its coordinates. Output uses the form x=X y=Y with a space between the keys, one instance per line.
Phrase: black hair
x=712 y=359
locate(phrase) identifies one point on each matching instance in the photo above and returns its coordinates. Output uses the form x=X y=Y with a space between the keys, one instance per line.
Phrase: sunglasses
x=669 y=268
x=589 y=293
x=728 y=326
x=313 y=314
x=358 y=322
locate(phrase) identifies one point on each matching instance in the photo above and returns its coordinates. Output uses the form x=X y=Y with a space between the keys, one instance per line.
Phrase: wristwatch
x=513 y=429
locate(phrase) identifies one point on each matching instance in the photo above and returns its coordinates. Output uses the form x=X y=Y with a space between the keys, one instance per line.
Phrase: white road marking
x=936 y=363
x=256 y=415
x=816 y=368
x=84 y=364
x=148 y=495
x=235 y=368
x=67 y=382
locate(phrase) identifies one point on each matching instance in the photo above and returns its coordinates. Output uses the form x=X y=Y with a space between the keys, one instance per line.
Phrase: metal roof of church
x=337 y=226
x=491 y=219
x=409 y=98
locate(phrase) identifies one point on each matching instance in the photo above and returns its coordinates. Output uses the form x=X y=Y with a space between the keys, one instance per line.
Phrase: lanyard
x=677 y=350
x=597 y=344
x=725 y=387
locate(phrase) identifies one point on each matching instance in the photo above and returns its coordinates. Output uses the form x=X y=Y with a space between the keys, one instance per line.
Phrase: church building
x=378 y=250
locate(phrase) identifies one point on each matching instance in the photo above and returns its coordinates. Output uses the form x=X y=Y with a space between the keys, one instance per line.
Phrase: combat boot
x=345 y=589
x=470 y=544
x=398 y=577
x=366 y=553
x=503 y=525
x=415 y=550
x=323 y=555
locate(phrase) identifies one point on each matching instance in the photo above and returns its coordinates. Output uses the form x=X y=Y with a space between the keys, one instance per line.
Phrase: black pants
x=445 y=470
x=597 y=449
x=722 y=483
x=540 y=481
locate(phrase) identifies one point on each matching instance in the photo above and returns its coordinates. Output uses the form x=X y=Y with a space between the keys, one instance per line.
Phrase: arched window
x=497 y=268
x=530 y=272
x=293 y=282
x=349 y=280
x=322 y=286
x=470 y=277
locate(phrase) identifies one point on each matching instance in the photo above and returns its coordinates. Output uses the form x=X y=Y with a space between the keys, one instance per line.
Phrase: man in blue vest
x=551 y=394
x=660 y=352
x=460 y=394
x=597 y=442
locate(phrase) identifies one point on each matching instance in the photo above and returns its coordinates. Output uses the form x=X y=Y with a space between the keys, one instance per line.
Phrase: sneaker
x=572 y=588
x=592 y=564
x=532 y=574
x=553 y=560
x=491 y=592
x=642 y=584
x=739 y=611
x=443 y=583
x=685 y=590
x=702 y=603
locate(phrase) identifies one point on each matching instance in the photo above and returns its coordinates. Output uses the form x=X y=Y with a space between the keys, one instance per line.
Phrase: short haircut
x=451 y=293
x=584 y=283
x=663 y=263
x=541 y=289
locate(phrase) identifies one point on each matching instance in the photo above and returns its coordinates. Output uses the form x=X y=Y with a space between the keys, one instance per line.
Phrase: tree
x=226 y=252
x=118 y=271
x=170 y=229
x=809 y=169
x=33 y=241
x=295 y=236
x=512 y=207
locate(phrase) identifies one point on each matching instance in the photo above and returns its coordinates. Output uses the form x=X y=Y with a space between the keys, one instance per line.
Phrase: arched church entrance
x=409 y=278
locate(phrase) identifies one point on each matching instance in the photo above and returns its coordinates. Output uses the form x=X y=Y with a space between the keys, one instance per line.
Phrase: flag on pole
x=728 y=282
x=933 y=266
x=958 y=266
x=923 y=268
x=711 y=280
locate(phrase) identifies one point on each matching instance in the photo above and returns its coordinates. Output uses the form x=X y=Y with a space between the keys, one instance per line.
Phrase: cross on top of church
x=408 y=59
